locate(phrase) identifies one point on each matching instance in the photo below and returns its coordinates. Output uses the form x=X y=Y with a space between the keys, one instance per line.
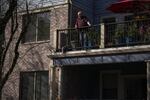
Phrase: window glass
x=43 y=26
x=110 y=86
x=38 y=28
x=31 y=30
x=135 y=89
x=27 y=86
x=34 y=86
x=41 y=85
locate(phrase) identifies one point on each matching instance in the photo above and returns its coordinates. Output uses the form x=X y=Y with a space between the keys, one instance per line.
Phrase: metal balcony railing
x=135 y=32
x=78 y=39
x=128 y=33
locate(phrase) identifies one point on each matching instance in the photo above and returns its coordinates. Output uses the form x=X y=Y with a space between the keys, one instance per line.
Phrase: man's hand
x=89 y=24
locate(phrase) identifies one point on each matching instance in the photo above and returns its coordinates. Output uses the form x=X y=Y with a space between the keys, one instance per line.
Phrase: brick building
x=54 y=66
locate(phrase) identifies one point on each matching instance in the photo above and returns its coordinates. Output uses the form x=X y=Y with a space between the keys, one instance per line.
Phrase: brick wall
x=33 y=56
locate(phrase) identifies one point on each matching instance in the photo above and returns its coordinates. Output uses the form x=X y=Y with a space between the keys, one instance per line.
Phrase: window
x=135 y=89
x=39 y=27
x=34 y=86
x=110 y=86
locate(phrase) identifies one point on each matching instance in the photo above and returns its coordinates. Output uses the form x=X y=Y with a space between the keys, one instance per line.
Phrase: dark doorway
x=84 y=82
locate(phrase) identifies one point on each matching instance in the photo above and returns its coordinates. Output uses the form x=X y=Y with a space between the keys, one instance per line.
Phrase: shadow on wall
x=35 y=60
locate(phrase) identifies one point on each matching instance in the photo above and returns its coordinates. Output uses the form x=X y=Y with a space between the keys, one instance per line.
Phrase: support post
x=53 y=84
x=102 y=35
x=59 y=82
x=51 y=70
x=148 y=80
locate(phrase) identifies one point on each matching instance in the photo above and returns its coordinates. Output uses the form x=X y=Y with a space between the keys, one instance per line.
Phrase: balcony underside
x=101 y=56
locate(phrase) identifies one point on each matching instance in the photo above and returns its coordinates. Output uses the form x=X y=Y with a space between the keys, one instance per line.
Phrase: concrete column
x=51 y=70
x=59 y=82
x=55 y=83
x=148 y=80
x=102 y=35
x=53 y=94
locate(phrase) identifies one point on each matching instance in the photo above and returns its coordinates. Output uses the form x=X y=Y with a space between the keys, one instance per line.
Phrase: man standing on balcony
x=81 y=24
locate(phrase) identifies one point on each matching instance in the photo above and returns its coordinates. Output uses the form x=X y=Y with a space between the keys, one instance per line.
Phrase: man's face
x=79 y=14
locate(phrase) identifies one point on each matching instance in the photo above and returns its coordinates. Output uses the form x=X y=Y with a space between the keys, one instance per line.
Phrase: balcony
x=108 y=35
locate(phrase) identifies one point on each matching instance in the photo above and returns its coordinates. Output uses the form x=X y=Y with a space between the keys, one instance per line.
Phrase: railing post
x=102 y=35
x=148 y=80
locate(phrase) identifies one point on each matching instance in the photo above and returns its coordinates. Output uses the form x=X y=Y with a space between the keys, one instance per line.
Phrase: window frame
x=26 y=41
x=34 y=83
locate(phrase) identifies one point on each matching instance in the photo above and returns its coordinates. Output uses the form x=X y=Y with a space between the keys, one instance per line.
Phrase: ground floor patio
x=113 y=81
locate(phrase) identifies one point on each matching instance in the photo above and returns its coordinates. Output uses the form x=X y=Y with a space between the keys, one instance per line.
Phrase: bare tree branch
x=16 y=52
x=8 y=15
x=13 y=30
